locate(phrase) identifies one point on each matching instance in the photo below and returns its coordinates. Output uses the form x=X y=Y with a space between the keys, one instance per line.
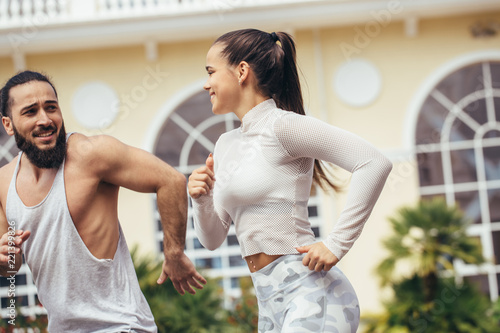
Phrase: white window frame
x=484 y=230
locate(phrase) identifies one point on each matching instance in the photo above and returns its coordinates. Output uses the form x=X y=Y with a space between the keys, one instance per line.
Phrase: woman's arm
x=211 y=226
x=303 y=136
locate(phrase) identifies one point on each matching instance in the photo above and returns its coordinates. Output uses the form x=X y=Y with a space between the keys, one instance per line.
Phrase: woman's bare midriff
x=257 y=261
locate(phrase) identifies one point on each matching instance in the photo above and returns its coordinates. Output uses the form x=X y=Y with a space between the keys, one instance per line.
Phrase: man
x=59 y=206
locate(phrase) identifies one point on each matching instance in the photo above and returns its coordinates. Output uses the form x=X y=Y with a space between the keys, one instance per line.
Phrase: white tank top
x=263 y=173
x=80 y=292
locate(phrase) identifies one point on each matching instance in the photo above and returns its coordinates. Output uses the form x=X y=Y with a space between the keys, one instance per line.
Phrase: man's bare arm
x=140 y=171
x=172 y=206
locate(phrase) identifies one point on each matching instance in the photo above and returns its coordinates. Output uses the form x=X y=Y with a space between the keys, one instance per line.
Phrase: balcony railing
x=34 y=26
x=15 y=13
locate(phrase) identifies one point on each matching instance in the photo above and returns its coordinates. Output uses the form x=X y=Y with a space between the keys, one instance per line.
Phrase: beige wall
x=404 y=62
x=6 y=69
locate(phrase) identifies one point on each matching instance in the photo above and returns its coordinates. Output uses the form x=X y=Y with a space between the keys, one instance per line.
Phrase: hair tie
x=274 y=36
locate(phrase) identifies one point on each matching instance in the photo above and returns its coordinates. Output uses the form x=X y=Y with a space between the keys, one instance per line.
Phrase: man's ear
x=7 y=124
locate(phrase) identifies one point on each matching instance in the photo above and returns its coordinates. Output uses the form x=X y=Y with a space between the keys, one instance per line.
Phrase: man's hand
x=318 y=257
x=10 y=250
x=182 y=273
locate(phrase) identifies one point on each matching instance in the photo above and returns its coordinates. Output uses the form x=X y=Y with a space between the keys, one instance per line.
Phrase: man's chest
x=33 y=190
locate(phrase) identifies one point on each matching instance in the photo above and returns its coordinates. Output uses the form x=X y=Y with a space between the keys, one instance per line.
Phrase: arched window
x=184 y=141
x=458 y=152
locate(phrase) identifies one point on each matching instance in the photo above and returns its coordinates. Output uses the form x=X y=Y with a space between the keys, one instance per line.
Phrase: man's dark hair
x=18 y=79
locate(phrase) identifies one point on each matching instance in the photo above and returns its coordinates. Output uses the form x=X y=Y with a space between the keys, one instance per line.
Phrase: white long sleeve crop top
x=263 y=175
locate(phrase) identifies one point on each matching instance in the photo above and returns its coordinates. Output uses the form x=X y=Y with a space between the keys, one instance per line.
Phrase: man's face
x=36 y=123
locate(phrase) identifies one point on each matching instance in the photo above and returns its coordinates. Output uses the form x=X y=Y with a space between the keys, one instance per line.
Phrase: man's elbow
x=179 y=180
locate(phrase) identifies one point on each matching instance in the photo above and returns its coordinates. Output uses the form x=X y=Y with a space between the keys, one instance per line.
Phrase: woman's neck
x=248 y=103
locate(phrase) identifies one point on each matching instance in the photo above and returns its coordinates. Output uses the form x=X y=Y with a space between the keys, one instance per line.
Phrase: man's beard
x=45 y=159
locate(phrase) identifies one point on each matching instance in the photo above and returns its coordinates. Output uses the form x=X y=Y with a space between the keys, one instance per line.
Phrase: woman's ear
x=243 y=70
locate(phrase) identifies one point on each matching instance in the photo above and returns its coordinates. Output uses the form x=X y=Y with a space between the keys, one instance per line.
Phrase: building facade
x=418 y=79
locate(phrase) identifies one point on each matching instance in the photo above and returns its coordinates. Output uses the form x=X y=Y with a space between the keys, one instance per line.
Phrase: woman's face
x=222 y=83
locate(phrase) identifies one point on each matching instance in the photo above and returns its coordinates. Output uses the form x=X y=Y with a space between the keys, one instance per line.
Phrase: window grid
x=452 y=143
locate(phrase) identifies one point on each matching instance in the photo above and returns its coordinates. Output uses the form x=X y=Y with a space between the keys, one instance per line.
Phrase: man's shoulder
x=6 y=173
x=8 y=169
x=83 y=146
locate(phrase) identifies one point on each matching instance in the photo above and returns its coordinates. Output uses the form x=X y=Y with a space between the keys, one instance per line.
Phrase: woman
x=260 y=177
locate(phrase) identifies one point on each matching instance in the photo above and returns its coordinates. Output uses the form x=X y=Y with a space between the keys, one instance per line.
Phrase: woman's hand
x=318 y=257
x=202 y=179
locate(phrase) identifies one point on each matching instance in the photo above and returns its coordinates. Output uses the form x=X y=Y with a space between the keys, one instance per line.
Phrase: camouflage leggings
x=294 y=299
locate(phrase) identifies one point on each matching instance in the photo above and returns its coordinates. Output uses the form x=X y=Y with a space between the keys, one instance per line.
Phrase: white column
x=411 y=27
x=114 y=8
x=39 y=7
x=51 y=8
x=27 y=9
x=151 y=48
x=126 y=7
x=19 y=61
x=82 y=9
x=150 y=5
x=4 y=7
x=15 y=9
x=320 y=75
x=64 y=8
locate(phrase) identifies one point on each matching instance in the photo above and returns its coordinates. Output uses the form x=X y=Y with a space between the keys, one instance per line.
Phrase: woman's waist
x=258 y=261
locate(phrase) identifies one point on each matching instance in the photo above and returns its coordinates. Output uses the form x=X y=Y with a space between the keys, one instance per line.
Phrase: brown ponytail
x=273 y=61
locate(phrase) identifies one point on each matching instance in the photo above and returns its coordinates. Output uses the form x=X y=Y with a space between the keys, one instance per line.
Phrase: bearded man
x=59 y=200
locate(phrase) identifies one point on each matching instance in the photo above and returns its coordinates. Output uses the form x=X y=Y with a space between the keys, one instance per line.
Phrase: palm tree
x=457 y=309
x=429 y=238
x=173 y=313
x=245 y=316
